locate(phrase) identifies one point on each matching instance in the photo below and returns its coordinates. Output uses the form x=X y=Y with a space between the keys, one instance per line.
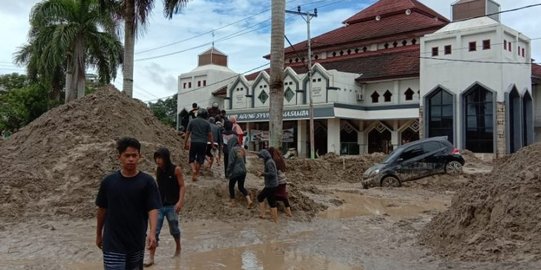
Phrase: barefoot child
x=172 y=190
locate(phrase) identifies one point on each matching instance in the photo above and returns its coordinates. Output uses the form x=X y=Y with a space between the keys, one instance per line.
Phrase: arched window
x=387 y=96
x=375 y=97
x=479 y=120
x=409 y=94
x=440 y=114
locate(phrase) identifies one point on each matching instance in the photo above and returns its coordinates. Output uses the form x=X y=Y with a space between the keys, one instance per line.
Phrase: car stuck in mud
x=413 y=161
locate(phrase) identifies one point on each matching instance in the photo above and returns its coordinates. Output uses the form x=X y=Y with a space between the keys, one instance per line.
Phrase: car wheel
x=390 y=181
x=453 y=167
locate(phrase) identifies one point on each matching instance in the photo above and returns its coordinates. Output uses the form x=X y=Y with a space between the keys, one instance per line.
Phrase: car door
x=435 y=157
x=408 y=164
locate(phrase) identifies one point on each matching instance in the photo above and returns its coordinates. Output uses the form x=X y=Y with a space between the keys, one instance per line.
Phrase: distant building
x=210 y=75
x=397 y=71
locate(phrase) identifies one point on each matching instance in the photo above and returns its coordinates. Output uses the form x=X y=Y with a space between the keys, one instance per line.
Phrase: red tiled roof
x=384 y=8
x=386 y=28
x=385 y=64
x=536 y=74
x=536 y=70
x=222 y=91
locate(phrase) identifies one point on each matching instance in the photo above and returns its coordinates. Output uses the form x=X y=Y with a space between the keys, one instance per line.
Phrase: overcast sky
x=242 y=31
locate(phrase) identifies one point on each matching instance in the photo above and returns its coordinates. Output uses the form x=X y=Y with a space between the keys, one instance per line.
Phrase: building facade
x=398 y=71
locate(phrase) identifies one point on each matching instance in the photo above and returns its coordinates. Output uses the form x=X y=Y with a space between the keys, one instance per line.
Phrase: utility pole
x=307 y=16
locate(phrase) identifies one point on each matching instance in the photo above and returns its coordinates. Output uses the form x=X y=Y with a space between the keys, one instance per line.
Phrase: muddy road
x=362 y=229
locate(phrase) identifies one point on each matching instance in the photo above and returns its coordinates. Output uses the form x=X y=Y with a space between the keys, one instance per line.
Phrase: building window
x=365 y=49
x=190 y=85
x=263 y=96
x=479 y=120
x=486 y=44
x=440 y=114
x=204 y=82
x=375 y=97
x=198 y=83
x=184 y=85
x=505 y=44
x=387 y=96
x=404 y=42
x=473 y=46
x=395 y=44
x=434 y=51
x=409 y=94
x=518 y=51
x=356 y=50
x=386 y=45
x=522 y=52
x=413 y=41
x=289 y=94
x=509 y=47
x=447 y=49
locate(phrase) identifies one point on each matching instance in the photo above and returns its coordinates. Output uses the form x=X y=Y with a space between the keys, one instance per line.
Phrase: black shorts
x=197 y=152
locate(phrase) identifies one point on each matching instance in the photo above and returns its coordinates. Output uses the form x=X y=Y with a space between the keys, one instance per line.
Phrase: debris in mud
x=496 y=217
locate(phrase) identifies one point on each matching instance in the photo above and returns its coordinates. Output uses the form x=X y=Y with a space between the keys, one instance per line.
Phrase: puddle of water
x=362 y=205
x=268 y=256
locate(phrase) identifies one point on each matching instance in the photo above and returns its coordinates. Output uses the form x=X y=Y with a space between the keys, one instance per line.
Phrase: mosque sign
x=287 y=115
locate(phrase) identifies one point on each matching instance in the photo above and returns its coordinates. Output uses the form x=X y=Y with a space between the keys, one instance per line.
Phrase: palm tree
x=277 y=72
x=70 y=36
x=135 y=14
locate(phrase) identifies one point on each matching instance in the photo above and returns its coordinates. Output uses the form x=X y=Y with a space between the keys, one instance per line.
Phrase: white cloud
x=157 y=77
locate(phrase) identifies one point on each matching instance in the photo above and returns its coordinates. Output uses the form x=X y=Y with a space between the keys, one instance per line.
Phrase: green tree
x=20 y=106
x=135 y=14
x=69 y=36
x=165 y=110
x=12 y=81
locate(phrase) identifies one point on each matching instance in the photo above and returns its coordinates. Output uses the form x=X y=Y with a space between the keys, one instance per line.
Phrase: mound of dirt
x=496 y=217
x=54 y=165
x=330 y=168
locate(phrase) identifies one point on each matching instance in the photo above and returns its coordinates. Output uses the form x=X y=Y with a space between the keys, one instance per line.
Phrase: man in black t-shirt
x=127 y=200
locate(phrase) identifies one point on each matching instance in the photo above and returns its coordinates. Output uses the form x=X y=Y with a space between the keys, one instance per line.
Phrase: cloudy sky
x=241 y=30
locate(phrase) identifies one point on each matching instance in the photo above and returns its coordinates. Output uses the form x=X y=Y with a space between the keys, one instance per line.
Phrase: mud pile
x=54 y=165
x=331 y=168
x=496 y=217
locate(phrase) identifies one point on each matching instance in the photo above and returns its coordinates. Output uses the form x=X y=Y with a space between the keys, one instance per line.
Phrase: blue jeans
x=172 y=219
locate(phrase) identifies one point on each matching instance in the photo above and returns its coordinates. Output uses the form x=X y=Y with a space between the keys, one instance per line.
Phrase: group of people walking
x=132 y=206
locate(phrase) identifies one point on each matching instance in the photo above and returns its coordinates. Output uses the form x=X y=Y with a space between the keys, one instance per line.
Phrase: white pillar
x=361 y=138
x=301 y=138
x=333 y=135
x=394 y=134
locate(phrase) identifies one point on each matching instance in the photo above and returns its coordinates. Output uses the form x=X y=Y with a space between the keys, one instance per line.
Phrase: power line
x=215 y=83
x=219 y=28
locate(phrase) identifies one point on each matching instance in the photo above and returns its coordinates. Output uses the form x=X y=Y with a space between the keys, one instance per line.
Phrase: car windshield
x=393 y=155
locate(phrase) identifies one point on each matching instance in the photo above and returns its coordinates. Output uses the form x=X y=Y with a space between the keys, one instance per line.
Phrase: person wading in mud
x=281 y=191
x=271 y=184
x=128 y=200
x=236 y=170
x=199 y=132
x=172 y=190
x=227 y=134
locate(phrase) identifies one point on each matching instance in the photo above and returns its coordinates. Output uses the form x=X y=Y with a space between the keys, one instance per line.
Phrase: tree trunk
x=70 y=93
x=129 y=43
x=277 y=73
x=80 y=74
